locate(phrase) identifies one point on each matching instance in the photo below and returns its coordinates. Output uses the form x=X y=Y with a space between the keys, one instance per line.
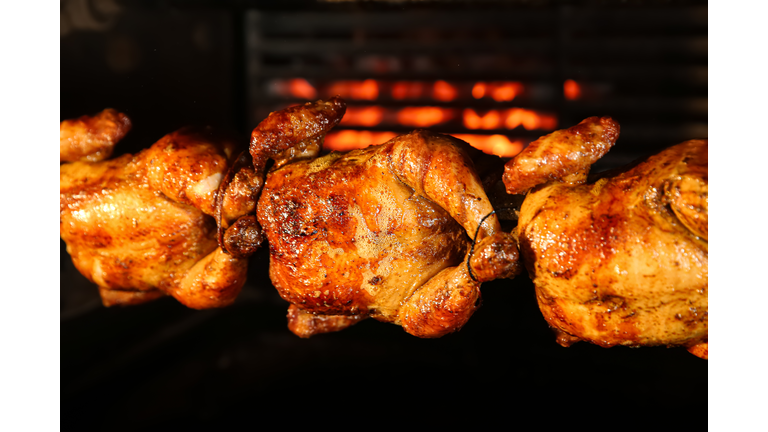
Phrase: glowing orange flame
x=478 y=90
x=363 y=116
x=367 y=90
x=444 y=92
x=514 y=118
x=340 y=88
x=361 y=90
x=505 y=91
x=407 y=90
x=301 y=88
x=530 y=120
x=498 y=145
x=429 y=116
x=498 y=91
x=346 y=140
x=571 y=90
x=491 y=120
x=423 y=116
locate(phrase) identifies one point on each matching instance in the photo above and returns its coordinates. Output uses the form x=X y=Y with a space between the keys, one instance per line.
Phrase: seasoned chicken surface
x=382 y=232
x=93 y=138
x=142 y=226
x=622 y=259
x=564 y=155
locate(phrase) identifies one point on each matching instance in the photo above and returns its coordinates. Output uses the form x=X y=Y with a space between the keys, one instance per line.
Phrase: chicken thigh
x=620 y=259
x=142 y=226
x=383 y=232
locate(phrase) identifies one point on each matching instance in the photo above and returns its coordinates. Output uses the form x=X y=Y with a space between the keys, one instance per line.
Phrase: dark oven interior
x=497 y=74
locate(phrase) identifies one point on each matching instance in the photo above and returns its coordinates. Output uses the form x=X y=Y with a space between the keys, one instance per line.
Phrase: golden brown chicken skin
x=142 y=227
x=564 y=155
x=92 y=138
x=622 y=259
x=382 y=232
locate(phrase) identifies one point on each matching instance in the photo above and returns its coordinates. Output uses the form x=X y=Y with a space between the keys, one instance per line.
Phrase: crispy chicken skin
x=92 y=138
x=381 y=232
x=564 y=155
x=622 y=259
x=141 y=226
x=305 y=324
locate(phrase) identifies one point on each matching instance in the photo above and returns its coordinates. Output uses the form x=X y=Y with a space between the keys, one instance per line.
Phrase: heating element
x=494 y=77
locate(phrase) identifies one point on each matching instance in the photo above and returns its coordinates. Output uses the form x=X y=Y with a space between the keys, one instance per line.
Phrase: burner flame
x=503 y=92
x=498 y=91
x=357 y=90
x=509 y=119
x=407 y=90
x=444 y=92
x=423 y=116
x=426 y=116
x=498 y=145
x=301 y=88
x=571 y=90
x=491 y=120
x=363 y=116
x=346 y=140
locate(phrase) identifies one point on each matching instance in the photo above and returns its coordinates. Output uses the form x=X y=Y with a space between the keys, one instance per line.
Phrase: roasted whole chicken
x=144 y=226
x=619 y=258
x=394 y=231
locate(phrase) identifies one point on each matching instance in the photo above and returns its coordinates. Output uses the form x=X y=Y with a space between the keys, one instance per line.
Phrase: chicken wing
x=92 y=139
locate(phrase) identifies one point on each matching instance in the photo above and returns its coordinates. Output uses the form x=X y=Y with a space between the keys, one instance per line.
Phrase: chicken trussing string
x=402 y=232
